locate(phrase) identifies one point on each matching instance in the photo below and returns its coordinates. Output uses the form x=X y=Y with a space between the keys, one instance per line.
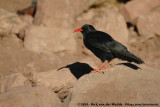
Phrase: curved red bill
x=77 y=30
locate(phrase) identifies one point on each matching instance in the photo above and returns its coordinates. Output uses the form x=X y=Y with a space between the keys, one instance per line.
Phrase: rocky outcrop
x=21 y=25
x=12 y=24
x=56 y=18
x=13 y=56
x=123 y=82
x=14 y=81
x=61 y=82
x=30 y=97
x=118 y=84
x=58 y=13
x=48 y=40
x=15 y=5
x=7 y=21
x=149 y=24
x=135 y=8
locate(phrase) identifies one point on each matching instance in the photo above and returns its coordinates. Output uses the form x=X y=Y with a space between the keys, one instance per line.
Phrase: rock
x=7 y=21
x=12 y=24
x=13 y=81
x=48 y=40
x=61 y=81
x=13 y=56
x=149 y=24
x=134 y=9
x=108 y=4
x=108 y=21
x=59 y=16
x=118 y=84
x=30 y=97
x=58 y=13
x=66 y=101
x=15 y=5
x=21 y=25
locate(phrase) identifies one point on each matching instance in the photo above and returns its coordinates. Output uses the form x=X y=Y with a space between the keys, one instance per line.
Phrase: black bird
x=105 y=47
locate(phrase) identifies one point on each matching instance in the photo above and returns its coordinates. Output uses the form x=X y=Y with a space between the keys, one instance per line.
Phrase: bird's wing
x=118 y=47
x=121 y=52
x=100 y=40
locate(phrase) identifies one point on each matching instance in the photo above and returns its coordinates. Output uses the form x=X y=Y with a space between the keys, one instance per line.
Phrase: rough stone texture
x=30 y=97
x=7 y=20
x=148 y=25
x=61 y=81
x=48 y=40
x=118 y=84
x=13 y=55
x=14 y=5
x=15 y=58
x=108 y=21
x=59 y=15
x=133 y=9
x=21 y=24
x=11 y=23
x=58 y=12
x=14 y=81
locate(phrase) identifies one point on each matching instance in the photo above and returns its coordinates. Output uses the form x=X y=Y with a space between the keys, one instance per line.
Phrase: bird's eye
x=86 y=27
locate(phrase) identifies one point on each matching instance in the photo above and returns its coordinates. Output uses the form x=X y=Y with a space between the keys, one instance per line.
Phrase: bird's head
x=85 y=29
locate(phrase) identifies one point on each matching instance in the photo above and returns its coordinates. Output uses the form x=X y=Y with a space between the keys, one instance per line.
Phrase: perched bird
x=105 y=47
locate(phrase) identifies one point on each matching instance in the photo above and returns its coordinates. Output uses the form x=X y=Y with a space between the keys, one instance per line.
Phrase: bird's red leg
x=106 y=66
x=98 y=69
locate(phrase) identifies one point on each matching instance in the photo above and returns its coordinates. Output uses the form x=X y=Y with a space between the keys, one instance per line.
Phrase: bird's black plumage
x=105 y=47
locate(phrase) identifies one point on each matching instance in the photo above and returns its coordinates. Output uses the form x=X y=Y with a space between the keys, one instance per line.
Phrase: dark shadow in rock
x=31 y=10
x=124 y=1
x=78 y=69
x=130 y=65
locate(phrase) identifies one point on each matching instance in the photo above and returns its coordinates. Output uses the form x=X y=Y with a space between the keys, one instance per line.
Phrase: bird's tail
x=131 y=57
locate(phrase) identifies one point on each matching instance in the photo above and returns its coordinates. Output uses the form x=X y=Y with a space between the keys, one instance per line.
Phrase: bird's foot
x=97 y=70
x=106 y=66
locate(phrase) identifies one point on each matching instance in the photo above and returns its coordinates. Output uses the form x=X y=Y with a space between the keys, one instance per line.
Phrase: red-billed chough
x=105 y=47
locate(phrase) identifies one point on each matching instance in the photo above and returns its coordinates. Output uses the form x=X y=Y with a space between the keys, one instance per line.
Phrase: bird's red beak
x=78 y=30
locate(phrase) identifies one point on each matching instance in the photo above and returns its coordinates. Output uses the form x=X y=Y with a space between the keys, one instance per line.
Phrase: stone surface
x=30 y=97
x=58 y=13
x=11 y=23
x=7 y=21
x=14 y=5
x=134 y=9
x=48 y=40
x=149 y=24
x=61 y=81
x=21 y=24
x=14 y=81
x=13 y=55
x=118 y=84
